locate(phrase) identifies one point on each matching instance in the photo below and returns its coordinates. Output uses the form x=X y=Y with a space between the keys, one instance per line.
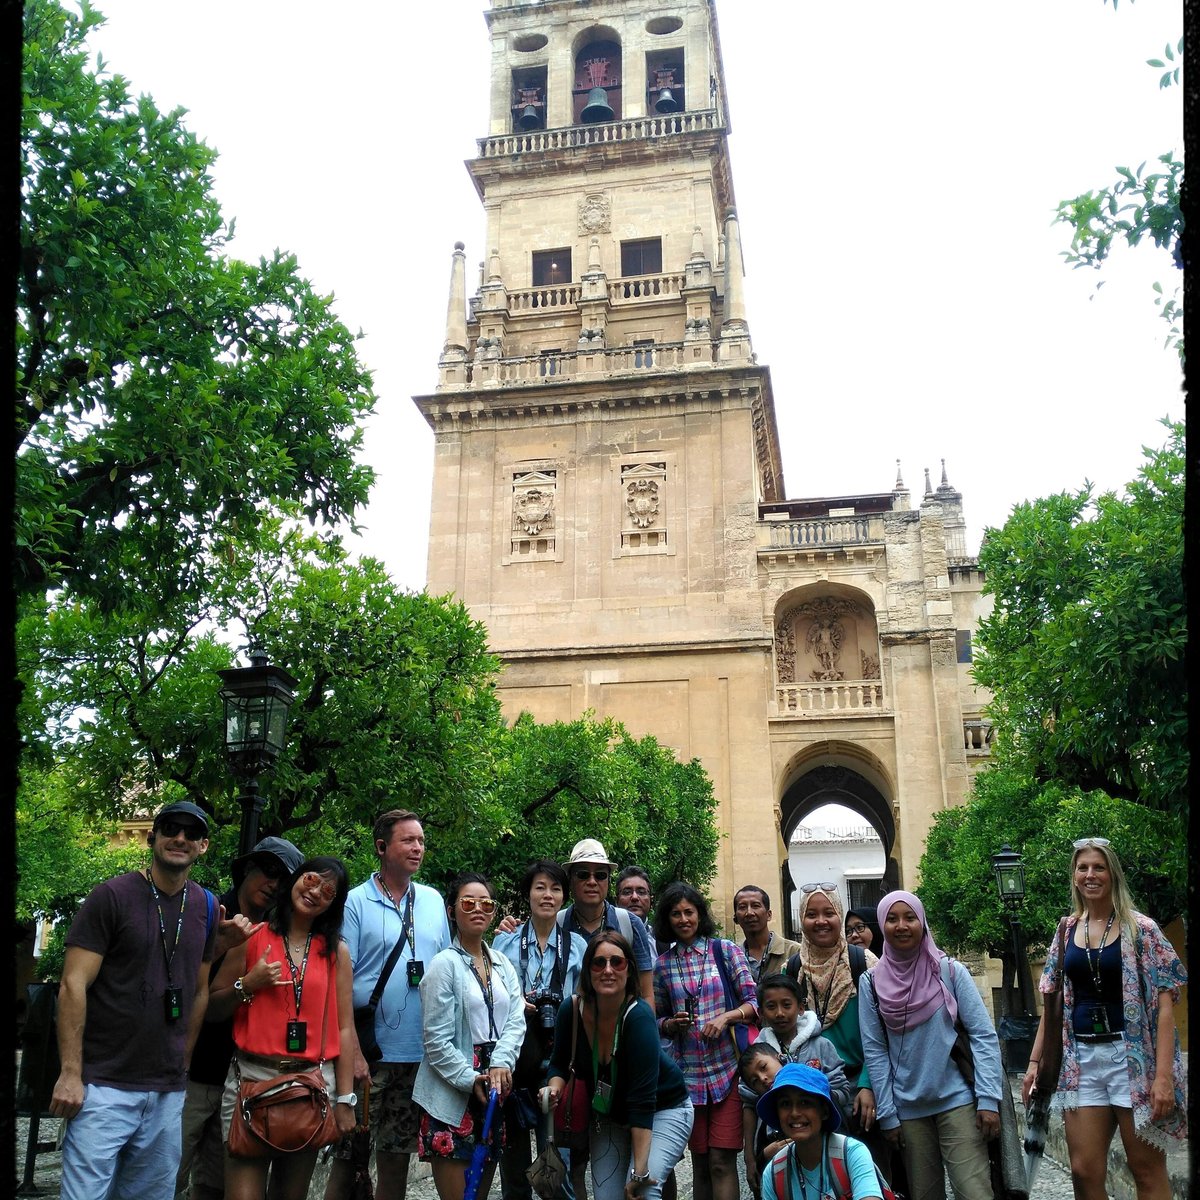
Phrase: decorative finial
x=928 y=485
x=945 y=481
x=899 y=479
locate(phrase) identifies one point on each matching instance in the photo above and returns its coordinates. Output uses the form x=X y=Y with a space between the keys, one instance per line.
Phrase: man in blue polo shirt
x=390 y=909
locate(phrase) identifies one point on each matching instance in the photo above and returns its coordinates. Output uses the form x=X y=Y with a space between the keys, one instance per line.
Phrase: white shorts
x=1103 y=1075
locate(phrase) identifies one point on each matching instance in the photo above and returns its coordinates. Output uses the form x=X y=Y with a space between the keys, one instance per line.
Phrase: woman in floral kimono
x=1121 y=1066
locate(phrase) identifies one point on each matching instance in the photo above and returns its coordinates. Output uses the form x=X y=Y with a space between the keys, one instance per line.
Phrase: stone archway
x=835 y=782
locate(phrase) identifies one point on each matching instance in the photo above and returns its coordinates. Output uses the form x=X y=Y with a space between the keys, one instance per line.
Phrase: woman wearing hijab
x=863 y=930
x=911 y=1004
x=831 y=991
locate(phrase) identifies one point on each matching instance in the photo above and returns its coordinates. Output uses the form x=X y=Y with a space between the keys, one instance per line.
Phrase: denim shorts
x=1103 y=1075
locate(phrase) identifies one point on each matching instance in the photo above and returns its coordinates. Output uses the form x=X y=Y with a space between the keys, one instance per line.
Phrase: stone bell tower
x=608 y=493
x=604 y=435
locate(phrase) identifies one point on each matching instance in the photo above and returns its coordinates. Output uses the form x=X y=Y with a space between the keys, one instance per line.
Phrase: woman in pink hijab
x=910 y=1009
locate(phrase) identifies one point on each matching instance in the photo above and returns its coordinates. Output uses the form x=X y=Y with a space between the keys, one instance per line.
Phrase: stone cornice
x=612 y=650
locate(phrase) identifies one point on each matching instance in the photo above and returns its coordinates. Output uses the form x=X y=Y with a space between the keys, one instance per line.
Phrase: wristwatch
x=243 y=993
x=349 y=1098
x=634 y=1177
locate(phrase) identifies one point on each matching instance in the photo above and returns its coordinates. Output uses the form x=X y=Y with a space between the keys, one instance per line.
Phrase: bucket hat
x=589 y=851
x=806 y=1079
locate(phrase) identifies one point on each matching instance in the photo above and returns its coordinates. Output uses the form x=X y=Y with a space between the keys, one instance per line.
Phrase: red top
x=261 y=1026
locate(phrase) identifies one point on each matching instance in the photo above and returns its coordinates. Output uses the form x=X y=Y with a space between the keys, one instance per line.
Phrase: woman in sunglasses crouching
x=606 y=1038
x=473 y=1020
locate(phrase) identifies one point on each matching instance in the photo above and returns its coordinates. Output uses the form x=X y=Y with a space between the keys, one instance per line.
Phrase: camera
x=546 y=1004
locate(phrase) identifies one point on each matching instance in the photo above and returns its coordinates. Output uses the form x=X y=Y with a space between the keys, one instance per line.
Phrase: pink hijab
x=908 y=984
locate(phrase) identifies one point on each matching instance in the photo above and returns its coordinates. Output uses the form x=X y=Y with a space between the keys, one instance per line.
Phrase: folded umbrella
x=480 y=1153
x=1037 y=1121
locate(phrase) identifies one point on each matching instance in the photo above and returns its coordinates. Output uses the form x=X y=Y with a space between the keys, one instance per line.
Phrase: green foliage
x=1084 y=650
x=1170 y=75
x=168 y=396
x=1040 y=820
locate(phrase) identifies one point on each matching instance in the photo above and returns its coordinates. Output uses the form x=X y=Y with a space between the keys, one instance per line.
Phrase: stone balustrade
x=819 y=532
x=646 y=287
x=829 y=699
x=574 y=364
x=571 y=137
x=977 y=737
x=559 y=296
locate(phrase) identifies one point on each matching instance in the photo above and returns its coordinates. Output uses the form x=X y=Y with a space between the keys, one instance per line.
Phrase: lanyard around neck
x=297 y=976
x=168 y=958
x=484 y=987
x=560 y=963
x=406 y=918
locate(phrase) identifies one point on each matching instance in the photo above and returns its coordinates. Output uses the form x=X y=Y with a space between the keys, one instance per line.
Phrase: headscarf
x=866 y=914
x=908 y=984
x=827 y=967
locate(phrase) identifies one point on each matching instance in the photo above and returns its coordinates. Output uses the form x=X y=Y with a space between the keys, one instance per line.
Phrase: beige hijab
x=827 y=968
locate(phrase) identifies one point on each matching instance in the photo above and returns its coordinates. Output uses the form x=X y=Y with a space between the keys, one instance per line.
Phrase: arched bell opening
x=596 y=95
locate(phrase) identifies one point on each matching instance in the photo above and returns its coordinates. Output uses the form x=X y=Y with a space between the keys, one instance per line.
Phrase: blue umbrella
x=480 y=1153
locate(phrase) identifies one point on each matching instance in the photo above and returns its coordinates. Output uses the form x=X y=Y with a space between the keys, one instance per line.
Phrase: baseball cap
x=276 y=848
x=183 y=808
x=806 y=1079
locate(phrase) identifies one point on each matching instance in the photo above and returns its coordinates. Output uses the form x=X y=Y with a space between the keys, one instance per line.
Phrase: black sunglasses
x=193 y=833
x=598 y=876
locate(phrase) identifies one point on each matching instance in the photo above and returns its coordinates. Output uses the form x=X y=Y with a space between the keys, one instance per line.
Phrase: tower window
x=962 y=645
x=551 y=267
x=642 y=257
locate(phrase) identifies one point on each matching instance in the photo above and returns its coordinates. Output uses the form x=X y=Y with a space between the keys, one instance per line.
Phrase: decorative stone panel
x=534 y=515
x=644 y=508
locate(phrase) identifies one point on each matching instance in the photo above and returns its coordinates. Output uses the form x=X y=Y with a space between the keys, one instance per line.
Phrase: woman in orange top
x=292 y=1009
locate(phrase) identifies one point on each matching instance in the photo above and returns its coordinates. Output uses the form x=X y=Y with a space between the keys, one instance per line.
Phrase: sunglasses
x=1082 y=843
x=618 y=962
x=827 y=886
x=171 y=829
x=469 y=904
x=310 y=880
x=598 y=876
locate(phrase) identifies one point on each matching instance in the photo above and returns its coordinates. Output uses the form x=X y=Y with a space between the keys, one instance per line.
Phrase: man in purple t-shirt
x=133 y=994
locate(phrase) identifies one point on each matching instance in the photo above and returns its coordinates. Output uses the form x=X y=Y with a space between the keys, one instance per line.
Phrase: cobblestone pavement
x=1053 y=1182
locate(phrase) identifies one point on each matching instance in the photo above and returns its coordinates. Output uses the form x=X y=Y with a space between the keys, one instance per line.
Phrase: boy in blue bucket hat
x=819 y=1163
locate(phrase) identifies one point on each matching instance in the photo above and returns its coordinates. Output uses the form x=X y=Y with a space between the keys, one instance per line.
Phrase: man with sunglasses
x=588 y=870
x=133 y=994
x=391 y=912
x=257 y=878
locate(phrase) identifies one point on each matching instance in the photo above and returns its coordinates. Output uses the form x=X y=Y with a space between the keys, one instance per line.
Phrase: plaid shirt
x=709 y=1066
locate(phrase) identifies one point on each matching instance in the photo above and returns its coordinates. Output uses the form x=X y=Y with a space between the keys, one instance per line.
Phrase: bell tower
x=604 y=436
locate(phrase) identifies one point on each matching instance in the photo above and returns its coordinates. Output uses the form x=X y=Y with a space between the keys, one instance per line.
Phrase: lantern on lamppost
x=1017 y=1026
x=257 y=699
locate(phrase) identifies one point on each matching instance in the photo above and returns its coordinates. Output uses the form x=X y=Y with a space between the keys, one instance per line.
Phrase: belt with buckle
x=1094 y=1038
x=280 y=1066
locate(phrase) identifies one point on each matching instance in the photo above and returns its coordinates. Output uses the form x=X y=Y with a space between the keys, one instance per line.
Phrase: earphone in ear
x=380 y=847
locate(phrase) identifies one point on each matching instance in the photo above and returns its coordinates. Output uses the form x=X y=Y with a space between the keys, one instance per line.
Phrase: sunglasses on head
x=1083 y=843
x=470 y=903
x=827 y=886
x=600 y=876
x=616 y=961
x=310 y=880
x=171 y=829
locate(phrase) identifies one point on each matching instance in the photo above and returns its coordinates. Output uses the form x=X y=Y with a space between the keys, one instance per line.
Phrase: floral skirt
x=436 y=1139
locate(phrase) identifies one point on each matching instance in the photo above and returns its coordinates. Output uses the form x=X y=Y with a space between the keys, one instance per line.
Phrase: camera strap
x=406 y=935
x=559 y=974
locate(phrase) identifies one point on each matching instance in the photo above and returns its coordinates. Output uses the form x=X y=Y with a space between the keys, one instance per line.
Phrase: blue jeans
x=610 y=1149
x=515 y=1158
x=128 y=1142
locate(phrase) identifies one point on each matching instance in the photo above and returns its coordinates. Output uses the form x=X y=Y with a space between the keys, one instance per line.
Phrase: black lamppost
x=1019 y=1024
x=257 y=699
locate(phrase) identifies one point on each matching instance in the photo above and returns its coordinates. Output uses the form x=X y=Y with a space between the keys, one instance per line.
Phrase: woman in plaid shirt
x=702 y=988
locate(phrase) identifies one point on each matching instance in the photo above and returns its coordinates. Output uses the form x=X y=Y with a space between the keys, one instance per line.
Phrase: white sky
x=896 y=167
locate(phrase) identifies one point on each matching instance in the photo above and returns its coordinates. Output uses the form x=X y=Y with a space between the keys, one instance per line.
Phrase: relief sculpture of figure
x=824 y=642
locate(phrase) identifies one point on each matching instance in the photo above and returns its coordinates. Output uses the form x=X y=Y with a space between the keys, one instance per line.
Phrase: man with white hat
x=257 y=879
x=588 y=870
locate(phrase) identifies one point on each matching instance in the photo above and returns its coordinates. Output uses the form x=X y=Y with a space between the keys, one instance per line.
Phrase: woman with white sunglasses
x=473 y=1022
x=1121 y=1065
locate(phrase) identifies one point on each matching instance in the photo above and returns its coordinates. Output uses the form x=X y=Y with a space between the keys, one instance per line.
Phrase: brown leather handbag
x=1052 y=1026
x=285 y=1114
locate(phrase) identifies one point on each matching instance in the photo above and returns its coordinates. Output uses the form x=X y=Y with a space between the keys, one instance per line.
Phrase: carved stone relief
x=534 y=497
x=534 y=510
x=819 y=640
x=641 y=500
x=870 y=665
x=595 y=214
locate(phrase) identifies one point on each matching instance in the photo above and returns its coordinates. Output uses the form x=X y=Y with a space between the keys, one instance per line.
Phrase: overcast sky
x=897 y=168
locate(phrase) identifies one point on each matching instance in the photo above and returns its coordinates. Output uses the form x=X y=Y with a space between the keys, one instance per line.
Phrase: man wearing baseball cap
x=132 y=998
x=819 y=1159
x=257 y=879
x=588 y=871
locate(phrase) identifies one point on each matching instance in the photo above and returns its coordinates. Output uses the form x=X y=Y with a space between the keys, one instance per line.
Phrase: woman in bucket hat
x=819 y=1162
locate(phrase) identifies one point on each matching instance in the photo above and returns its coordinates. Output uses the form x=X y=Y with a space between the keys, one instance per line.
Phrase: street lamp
x=1015 y=1027
x=257 y=699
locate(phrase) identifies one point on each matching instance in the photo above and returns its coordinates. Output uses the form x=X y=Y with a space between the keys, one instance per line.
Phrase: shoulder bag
x=286 y=1113
x=743 y=1033
x=572 y=1113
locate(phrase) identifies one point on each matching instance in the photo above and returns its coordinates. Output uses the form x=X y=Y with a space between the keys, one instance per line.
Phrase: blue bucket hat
x=806 y=1079
x=279 y=849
